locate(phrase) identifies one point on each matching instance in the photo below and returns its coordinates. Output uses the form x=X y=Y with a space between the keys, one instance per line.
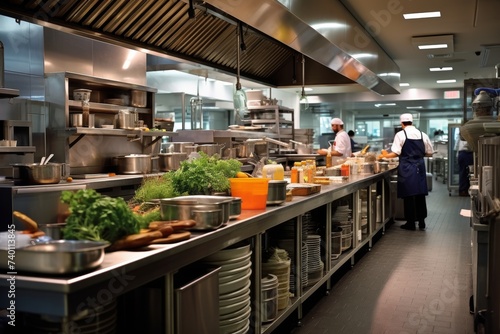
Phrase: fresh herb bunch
x=97 y=217
x=204 y=175
x=154 y=188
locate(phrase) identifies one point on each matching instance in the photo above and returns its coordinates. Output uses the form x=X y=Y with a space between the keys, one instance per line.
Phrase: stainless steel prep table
x=124 y=271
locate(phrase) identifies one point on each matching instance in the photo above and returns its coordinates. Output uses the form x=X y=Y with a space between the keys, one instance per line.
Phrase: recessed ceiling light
x=422 y=15
x=446 y=81
x=433 y=46
x=404 y=84
x=437 y=69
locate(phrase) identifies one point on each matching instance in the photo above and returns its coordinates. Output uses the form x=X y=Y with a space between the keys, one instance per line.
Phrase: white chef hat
x=406 y=118
x=336 y=121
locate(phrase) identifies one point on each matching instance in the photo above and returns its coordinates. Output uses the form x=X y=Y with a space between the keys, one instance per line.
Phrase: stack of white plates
x=308 y=225
x=315 y=265
x=234 y=288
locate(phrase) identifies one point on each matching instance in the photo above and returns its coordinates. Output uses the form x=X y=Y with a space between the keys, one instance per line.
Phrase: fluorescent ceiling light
x=434 y=42
x=422 y=15
x=446 y=81
x=415 y=107
x=328 y=25
x=437 y=69
x=404 y=84
x=378 y=105
x=433 y=46
x=307 y=89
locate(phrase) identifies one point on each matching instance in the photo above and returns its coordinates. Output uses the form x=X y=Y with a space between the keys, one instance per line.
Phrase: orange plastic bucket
x=252 y=191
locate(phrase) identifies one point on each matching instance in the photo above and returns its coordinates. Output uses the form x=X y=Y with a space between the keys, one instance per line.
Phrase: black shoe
x=421 y=225
x=408 y=226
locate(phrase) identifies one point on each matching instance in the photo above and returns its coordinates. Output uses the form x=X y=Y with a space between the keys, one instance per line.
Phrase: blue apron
x=411 y=170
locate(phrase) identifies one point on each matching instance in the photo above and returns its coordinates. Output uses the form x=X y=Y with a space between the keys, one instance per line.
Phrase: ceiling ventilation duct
x=490 y=55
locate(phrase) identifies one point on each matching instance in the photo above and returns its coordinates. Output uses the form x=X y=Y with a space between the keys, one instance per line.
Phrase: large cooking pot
x=134 y=164
x=180 y=147
x=171 y=161
x=35 y=173
x=139 y=98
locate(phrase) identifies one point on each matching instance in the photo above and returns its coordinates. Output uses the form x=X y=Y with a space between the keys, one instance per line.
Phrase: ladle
x=48 y=158
x=42 y=161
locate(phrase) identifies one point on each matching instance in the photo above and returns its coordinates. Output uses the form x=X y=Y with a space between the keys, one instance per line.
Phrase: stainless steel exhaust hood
x=274 y=35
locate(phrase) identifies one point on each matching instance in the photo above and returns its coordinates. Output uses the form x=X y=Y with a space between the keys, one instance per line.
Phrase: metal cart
x=440 y=160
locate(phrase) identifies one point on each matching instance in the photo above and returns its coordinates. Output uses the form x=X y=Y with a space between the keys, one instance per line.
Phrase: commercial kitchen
x=105 y=99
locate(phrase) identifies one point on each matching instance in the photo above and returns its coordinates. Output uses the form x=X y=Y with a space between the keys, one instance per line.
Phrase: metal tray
x=57 y=257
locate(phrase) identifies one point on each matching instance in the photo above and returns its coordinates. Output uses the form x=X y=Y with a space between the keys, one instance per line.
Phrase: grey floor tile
x=411 y=282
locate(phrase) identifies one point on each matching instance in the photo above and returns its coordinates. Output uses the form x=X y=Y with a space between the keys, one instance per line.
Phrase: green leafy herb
x=154 y=188
x=204 y=175
x=97 y=217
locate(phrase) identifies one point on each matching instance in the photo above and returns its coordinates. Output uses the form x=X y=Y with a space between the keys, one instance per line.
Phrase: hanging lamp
x=303 y=98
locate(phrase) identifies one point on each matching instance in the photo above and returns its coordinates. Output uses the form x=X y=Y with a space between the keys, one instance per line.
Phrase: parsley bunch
x=96 y=217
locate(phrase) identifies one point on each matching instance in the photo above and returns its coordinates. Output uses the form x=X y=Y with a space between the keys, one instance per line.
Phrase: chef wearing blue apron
x=411 y=146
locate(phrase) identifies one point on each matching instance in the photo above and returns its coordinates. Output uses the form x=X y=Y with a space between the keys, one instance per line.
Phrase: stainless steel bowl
x=185 y=207
x=276 y=193
x=59 y=256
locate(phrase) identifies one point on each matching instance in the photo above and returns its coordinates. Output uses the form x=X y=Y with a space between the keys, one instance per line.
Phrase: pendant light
x=239 y=96
x=303 y=98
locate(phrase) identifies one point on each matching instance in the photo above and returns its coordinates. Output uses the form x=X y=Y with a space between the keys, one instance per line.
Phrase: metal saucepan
x=171 y=161
x=36 y=173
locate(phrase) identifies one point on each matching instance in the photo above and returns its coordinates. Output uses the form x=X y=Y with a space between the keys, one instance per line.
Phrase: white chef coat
x=412 y=133
x=342 y=144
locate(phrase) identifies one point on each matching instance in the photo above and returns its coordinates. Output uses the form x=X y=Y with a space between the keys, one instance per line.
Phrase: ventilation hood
x=203 y=35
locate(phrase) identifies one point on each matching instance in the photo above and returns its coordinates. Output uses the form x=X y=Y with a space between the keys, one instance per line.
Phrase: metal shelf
x=6 y=93
x=17 y=149
x=106 y=108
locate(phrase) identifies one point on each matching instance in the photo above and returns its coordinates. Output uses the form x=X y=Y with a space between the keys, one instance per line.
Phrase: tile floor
x=410 y=282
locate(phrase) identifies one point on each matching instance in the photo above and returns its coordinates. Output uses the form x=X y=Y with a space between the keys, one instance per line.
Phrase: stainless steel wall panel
x=15 y=38
x=66 y=52
x=36 y=59
x=117 y=63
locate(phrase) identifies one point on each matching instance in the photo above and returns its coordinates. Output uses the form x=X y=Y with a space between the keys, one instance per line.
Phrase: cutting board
x=303 y=189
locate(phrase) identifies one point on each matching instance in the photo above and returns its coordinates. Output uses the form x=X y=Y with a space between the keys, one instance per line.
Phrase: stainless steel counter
x=124 y=271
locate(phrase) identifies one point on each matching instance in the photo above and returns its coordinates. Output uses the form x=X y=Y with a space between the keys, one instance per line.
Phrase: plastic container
x=252 y=191
x=273 y=172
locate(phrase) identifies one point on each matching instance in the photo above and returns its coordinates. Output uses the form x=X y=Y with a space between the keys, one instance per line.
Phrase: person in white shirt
x=341 y=146
x=411 y=146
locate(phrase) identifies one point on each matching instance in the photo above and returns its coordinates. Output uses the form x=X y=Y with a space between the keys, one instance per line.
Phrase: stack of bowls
x=234 y=287
x=269 y=298
x=280 y=267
